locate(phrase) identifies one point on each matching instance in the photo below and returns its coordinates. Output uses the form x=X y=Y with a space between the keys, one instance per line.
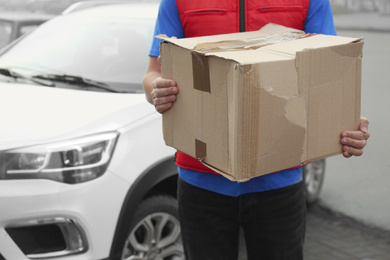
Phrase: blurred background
x=356 y=187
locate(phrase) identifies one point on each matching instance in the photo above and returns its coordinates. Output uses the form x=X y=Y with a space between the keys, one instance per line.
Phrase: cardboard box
x=246 y=111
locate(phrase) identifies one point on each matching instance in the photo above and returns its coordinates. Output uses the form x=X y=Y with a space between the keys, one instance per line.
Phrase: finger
x=347 y=155
x=349 y=151
x=164 y=95
x=358 y=135
x=164 y=100
x=359 y=144
x=364 y=124
x=163 y=83
x=164 y=107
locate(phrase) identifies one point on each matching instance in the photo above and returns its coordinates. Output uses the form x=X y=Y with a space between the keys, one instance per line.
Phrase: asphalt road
x=360 y=187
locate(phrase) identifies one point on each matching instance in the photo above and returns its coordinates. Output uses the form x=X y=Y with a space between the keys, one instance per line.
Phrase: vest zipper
x=242 y=15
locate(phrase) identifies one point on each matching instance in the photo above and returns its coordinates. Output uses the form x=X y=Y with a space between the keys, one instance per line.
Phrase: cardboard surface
x=258 y=102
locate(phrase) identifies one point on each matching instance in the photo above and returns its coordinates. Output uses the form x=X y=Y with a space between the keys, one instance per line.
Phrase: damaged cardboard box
x=258 y=102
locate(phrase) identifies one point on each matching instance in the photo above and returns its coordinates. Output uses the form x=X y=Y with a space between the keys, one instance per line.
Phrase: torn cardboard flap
x=249 y=44
x=190 y=43
x=246 y=112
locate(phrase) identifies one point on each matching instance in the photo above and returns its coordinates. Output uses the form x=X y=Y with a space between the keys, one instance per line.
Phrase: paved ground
x=334 y=237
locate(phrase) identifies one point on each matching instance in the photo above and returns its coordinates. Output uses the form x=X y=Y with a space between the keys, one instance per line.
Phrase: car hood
x=34 y=114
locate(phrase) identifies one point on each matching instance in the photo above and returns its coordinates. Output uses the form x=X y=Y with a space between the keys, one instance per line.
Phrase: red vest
x=210 y=17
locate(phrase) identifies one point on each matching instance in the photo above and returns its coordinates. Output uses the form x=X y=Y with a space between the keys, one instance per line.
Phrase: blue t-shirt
x=319 y=19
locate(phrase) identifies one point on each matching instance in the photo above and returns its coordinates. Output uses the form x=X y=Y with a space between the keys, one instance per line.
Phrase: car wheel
x=313 y=175
x=155 y=231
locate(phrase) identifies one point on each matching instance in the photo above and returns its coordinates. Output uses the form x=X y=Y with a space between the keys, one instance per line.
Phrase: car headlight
x=71 y=161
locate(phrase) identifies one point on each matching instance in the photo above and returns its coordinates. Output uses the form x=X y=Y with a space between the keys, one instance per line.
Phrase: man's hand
x=159 y=92
x=163 y=94
x=354 y=141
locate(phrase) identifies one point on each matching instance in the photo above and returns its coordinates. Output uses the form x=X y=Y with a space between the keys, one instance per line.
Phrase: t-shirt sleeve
x=319 y=18
x=168 y=23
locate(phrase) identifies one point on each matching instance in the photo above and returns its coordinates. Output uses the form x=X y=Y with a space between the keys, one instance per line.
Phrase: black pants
x=273 y=223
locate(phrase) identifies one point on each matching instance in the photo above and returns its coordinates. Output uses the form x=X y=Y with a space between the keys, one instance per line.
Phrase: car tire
x=155 y=231
x=313 y=175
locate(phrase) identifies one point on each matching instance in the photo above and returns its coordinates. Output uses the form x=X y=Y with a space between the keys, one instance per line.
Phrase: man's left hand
x=354 y=141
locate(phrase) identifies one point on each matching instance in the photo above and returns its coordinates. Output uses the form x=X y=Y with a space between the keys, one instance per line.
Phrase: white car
x=84 y=171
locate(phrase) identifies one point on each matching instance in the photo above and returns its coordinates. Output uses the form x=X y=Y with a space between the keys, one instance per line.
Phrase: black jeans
x=273 y=223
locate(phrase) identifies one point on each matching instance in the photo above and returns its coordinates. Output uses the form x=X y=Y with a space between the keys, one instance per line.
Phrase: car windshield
x=109 y=50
